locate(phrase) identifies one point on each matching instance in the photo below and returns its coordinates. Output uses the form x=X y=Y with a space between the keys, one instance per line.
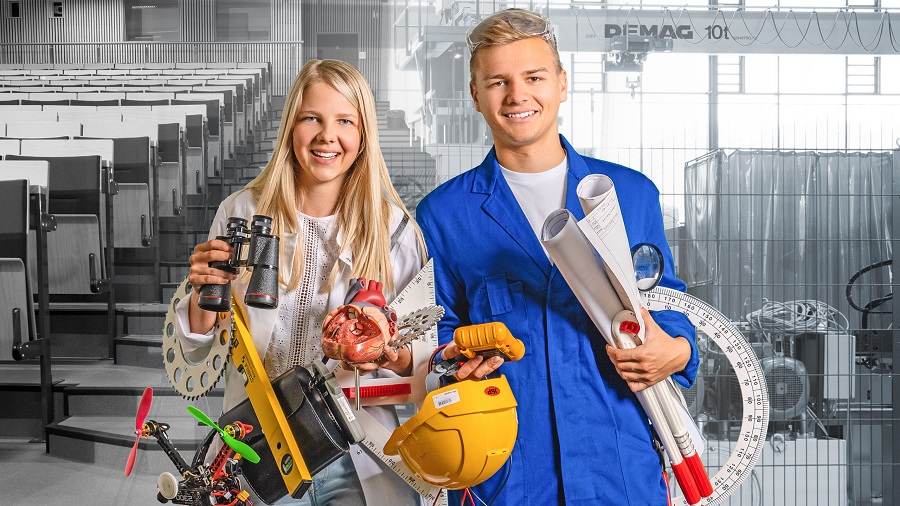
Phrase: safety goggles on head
x=532 y=25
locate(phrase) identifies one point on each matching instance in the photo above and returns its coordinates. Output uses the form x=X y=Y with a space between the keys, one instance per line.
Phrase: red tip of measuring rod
x=686 y=482
x=698 y=472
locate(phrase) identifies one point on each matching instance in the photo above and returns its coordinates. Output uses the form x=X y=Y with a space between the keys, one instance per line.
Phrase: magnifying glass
x=648 y=265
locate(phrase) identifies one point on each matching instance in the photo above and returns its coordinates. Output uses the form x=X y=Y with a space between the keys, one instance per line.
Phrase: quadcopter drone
x=218 y=483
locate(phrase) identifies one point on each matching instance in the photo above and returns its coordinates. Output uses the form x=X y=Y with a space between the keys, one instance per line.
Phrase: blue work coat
x=583 y=438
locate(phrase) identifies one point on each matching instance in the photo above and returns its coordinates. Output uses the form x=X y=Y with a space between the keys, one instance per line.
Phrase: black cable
x=856 y=275
x=864 y=320
x=503 y=483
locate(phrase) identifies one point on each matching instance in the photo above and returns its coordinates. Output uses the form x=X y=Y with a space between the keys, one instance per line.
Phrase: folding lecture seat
x=191 y=122
x=186 y=81
x=17 y=322
x=53 y=97
x=177 y=72
x=130 y=203
x=199 y=146
x=251 y=102
x=9 y=146
x=75 y=249
x=101 y=94
x=240 y=108
x=226 y=98
x=169 y=88
x=95 y=99
x=78 y=71
x=149 y=82
x=36 y=172
x=82 y=113
x=168 y=180
x=111 y=72
x=260 y=87
x=215 y=140
x=136 y=185
x=7 y=109
x=190 y=65
x=43 y=130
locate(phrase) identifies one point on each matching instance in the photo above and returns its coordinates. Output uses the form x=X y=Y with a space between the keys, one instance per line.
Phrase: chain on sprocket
x=194 y=379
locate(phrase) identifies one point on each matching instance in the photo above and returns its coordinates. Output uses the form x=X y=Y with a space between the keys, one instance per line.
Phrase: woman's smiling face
x=326 y=137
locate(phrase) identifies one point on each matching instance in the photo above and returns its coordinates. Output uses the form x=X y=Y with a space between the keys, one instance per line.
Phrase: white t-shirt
x=539 y=194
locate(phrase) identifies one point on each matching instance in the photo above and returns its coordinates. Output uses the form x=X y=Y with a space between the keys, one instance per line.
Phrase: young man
x=583 y=438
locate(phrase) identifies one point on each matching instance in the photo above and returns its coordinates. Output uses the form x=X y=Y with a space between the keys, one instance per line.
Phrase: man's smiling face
x=518 y=89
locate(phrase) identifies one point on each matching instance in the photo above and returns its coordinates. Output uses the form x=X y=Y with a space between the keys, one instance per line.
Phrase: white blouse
x=296 y=338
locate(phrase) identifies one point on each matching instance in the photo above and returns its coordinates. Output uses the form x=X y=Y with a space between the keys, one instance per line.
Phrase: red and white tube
x=660 y=408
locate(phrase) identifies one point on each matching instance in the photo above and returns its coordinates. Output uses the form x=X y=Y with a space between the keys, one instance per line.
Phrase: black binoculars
x=262 y=260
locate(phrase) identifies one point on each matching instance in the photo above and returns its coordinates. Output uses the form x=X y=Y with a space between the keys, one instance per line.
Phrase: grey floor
x=30 y=476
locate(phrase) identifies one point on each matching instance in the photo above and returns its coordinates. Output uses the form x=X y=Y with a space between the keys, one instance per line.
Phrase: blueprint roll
x=582 y=269
x=593 y=190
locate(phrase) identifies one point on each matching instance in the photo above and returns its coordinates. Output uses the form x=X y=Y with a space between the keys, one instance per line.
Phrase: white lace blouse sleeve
x=192 y=344
x=406 y=259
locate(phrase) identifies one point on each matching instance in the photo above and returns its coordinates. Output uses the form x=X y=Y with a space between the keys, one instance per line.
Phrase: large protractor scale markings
x=755 y=402
x=190 y=379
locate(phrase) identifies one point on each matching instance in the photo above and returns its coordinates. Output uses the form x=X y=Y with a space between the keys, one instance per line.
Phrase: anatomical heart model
x=359 y=330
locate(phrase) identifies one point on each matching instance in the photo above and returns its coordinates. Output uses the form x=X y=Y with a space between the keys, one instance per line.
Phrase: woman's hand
x=398 y=361
x=202 y=274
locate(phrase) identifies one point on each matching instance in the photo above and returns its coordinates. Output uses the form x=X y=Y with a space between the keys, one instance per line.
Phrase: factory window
x=152 y=20
x=243 y=20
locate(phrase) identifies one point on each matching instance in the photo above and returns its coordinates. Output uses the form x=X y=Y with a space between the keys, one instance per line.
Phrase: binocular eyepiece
x=261 y=259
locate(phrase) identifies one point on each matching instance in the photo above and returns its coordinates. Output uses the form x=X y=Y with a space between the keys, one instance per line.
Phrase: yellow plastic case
x=489 y=340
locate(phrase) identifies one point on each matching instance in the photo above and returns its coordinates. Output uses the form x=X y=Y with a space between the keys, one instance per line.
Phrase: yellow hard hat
x=463 y=434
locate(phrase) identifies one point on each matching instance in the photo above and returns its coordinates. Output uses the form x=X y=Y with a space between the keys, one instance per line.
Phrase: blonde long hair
x=367 y=196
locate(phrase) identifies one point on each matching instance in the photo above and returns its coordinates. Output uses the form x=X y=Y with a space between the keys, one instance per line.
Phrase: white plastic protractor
x=755 y=400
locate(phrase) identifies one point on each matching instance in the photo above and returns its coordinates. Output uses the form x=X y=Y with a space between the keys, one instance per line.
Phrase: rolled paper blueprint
x=577 y=261
x=593 y=256
x=604 y=229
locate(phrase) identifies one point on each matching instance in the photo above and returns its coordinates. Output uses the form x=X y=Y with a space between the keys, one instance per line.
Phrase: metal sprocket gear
x=190 y=379
x=414 y=325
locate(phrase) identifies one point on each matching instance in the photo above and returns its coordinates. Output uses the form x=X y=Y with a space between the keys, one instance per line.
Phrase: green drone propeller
x=239 y=447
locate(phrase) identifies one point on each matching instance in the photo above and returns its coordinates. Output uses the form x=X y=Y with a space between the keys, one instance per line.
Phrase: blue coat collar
x=502 y=207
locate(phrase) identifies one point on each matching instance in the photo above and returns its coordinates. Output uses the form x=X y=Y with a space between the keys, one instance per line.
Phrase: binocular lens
x=215 y=297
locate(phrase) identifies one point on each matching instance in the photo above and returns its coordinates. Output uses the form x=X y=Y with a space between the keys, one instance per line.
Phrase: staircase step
x=265 y=145
x=271 y=134
x=259 y=157
x=106 y=441
x=174 y=272
x=117 y=401
x=140 y=350
x=168 y=290
x=140 y=319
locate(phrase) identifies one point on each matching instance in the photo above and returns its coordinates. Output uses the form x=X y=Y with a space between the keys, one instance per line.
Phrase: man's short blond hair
x=508 y=26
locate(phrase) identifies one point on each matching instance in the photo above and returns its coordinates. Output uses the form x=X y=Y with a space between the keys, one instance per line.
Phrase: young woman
x=333 y=206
